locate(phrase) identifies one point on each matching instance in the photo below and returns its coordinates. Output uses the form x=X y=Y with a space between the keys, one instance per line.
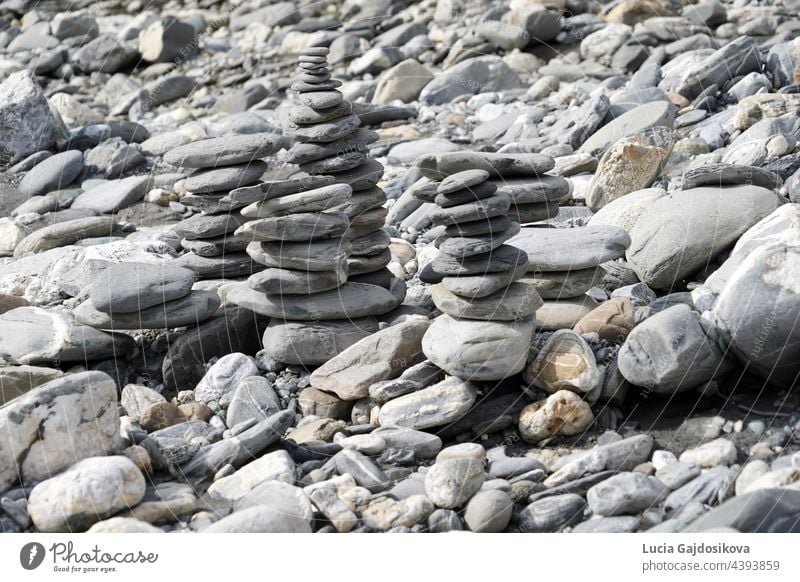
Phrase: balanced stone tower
x=489 y=316
x=219 y=165
x=320 y=233
x=331 y=142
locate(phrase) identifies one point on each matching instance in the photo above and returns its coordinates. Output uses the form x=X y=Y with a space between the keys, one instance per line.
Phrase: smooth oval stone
x=316 y=59
x=189 y=310
x=725 y=174
x=563 y=313
x=278 y=188
x=53 y=173
x=63 y=234
x=563 y=284
x=208 y=225
x=436 y=405
x=564 y=249
x=315 y=51
x=476 y=245
x=685 y=230
x=515 y=302
x=321 y=99
x=225 y=151
x=305 y=87
x=349 y=300
x=479 y=227
x=479 y=192
x=318 y=76
x=461 y=180
x=544 y=189
x=478 y=351
x=226 y=178
x=295 y=282
x=145 y=285
x=424 y=189
x=341 y=163
x=303 y=115
x=113 y=195
x=502 y=258
x=296 y=227
x=439 y=166
x=302 y=153
x=475 y=286
x=317 y=255
x=316 y=200
x=363 y=177
x=311 y=343
x=325 y=132
x=87 y=492
x=495 y=205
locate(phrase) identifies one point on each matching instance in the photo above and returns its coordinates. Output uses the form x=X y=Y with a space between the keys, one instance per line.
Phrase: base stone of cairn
x=320 y=235
x=488 y=315
x=219 y=166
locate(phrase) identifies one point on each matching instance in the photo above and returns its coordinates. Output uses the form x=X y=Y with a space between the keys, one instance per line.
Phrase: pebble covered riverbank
x=395 y=266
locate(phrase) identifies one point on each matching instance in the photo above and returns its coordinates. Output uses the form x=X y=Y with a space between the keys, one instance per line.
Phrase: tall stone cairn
x=320 y=234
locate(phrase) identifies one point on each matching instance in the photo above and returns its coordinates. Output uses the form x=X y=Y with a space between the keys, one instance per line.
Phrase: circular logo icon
x=31 y=555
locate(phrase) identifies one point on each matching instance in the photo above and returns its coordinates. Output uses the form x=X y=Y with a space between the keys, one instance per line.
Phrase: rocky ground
x=525 y=266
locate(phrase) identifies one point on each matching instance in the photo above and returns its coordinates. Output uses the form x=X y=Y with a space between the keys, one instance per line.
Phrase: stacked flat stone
x=319 y=235
x=218 y=166
x=145 y=296
x=534 y=194
x=564 y=263
x=489 y=315
x=331 y=142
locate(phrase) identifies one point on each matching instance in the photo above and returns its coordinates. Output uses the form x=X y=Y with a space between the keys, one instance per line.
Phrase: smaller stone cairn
x=488 y=318
x=219 y=166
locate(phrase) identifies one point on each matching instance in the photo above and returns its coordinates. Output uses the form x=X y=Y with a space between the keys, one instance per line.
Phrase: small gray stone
x=113 y=195
x=225 y=178
x=147 y=285
x=626 y=493
x=551 y=513
x=191 y=309
x=54 y=173
x=489 y=511
x=451 y=483
x=260 y=519
x=565 y=249
x=224 y=151
x=224 y=376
